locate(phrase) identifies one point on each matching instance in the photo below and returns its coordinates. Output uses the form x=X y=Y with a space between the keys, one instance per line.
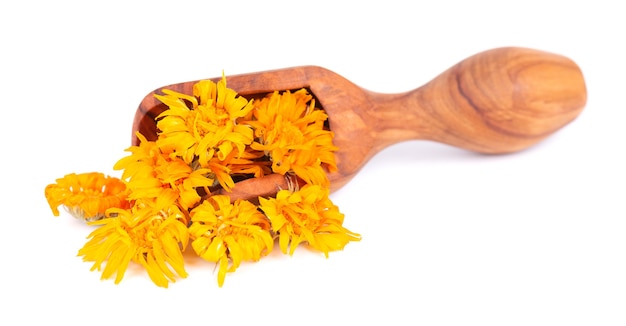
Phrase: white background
x=449 y=237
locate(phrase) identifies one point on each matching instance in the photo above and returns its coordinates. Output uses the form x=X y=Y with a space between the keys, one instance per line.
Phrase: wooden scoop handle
x=498 y=101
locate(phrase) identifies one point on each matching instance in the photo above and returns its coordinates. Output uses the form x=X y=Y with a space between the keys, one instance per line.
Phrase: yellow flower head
x=307 y=215
x=290 y=129
x=223 y=232
x=154 y=238
x=87 y=196
x=151 y=174
x=204 y=127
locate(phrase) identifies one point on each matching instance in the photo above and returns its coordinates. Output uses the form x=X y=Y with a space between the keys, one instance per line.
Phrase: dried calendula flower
x=229 y=234
x=152 y=174
x=203 y=129
x=154 y=238
x=290 y=129
x=307 y=216
x=87 y=196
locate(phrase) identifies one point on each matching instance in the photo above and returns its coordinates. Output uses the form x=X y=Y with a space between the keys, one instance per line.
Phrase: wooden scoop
x=499 y=101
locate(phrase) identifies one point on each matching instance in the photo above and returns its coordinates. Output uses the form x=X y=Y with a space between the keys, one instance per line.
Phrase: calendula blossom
x=290 y=129
x=87 y=195
x=207 y=132
x=167 y=179
x=152 y=237
x=307 y=215
x=228 y=233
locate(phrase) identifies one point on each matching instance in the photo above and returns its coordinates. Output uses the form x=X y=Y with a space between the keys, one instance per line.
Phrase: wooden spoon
x=498 y=101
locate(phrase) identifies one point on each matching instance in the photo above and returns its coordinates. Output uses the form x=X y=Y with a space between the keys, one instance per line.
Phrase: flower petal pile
x=175 y=190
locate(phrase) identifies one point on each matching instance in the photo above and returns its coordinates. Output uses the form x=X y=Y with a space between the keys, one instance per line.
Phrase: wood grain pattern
x=498 y=101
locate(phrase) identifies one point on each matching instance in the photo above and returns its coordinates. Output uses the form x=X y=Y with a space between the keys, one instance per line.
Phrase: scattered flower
x=151 y=237
x=229 y=233
x=86 y=196
x=307 y=215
